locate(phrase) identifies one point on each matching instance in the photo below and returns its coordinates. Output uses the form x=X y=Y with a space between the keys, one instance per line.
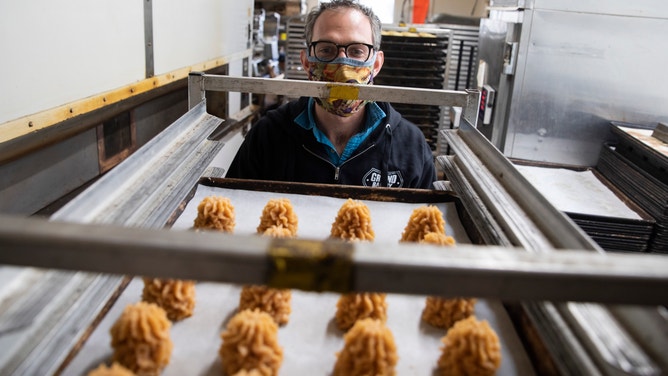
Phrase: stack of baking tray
x=637 y=165
x=613 y=221
x=463 y=65
x=464 y=56
x=616 y=234
x=417 y=57
x=295 y=43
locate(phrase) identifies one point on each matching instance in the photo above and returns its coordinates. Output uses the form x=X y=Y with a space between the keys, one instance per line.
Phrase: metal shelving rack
x=418 y=57
x=123 y=213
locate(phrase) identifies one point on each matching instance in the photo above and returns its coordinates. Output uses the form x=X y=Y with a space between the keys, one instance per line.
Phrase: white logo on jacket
x=373 y=178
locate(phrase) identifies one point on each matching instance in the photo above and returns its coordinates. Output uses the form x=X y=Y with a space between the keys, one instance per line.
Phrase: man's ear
x=304 y=60
x=380 y=59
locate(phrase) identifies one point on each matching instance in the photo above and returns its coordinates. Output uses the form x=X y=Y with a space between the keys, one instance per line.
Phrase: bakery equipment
x=596 y=205
x=418 y=57
x=120 y=211
x=295 y=43
x=637 y=164
x=551 y=64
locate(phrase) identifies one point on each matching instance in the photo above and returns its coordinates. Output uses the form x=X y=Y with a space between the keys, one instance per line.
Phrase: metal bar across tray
x=199 y=83
x=465 y=270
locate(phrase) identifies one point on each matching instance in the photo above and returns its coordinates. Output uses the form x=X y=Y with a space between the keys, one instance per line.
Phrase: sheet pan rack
x=140 y=195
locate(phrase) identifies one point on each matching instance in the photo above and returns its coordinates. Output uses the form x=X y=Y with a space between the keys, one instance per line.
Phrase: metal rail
x=465 y=270
x=199 y=83
x=532 y=223
x=143 y=191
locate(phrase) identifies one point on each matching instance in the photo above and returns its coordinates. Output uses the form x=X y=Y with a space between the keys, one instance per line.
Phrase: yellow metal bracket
x=311 y=265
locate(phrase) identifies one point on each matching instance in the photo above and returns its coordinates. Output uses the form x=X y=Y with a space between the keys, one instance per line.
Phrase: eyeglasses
x=328 y=51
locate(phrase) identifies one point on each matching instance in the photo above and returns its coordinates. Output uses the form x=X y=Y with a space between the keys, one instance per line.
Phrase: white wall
x=187 y=32
x=59 y=51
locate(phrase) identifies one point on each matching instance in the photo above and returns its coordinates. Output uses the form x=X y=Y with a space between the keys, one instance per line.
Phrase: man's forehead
x=355 y=15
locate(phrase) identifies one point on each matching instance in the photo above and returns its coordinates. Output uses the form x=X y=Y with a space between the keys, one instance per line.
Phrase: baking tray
x=437 y=72
x=610 y=218
x=408 y=81
x=647 y=192
x=310 y=339
x=636 y=144
x=431 y=65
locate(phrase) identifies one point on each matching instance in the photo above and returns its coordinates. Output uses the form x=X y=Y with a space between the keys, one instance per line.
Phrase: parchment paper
x=311 y=339
x=576 y=192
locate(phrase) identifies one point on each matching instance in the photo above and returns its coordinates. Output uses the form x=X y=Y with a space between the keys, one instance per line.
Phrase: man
x=338 y=141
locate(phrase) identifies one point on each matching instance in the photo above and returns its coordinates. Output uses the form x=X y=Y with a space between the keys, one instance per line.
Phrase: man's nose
x=341 y=52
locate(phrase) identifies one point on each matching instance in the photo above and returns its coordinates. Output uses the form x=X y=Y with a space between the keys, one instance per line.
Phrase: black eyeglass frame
x=338 y=48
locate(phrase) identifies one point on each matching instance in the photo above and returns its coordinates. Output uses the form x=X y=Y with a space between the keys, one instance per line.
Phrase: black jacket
x=396 y=154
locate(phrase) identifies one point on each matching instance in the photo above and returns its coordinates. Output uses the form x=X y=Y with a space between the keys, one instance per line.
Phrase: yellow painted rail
x=44 y=119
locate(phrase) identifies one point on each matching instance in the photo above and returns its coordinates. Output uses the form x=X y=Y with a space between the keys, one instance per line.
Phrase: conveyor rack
x=463 y=56
x=128 y=207
x=637 y=165
x=295 y=43
x=463 y=62
x=417 y=57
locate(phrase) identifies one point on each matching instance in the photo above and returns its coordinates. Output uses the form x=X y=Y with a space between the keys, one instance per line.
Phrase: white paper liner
x=316 y=213
x=311 y=339
x=645 y=136
x=579 y=192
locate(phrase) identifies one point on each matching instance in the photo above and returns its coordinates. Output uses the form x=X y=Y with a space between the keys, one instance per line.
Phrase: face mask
x=345 y=70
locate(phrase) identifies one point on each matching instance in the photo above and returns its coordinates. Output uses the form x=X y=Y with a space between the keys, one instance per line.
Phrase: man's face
x=343 y=27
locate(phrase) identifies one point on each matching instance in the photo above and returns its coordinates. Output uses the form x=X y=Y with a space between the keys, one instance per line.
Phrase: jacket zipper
x=337 y=170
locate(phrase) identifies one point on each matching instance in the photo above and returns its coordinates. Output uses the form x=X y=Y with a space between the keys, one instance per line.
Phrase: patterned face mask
x=342 y=69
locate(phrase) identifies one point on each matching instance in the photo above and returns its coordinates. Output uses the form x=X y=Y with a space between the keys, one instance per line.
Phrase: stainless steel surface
x=655 y=342
x=335 y=90
x=40 y=348
x=482 y=271
x=579 y=66
x=18 y=313
x=570 y=354
x=138 y=193
x=489 y=230
x=497 y=32
x=538 y=227
x=615 y=349
x=144 y=190
x=467 y=99
x=518 y=206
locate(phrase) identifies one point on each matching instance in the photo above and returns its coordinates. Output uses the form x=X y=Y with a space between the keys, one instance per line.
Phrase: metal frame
x=491 y=185
x=482 y=271
x=142 y=192
x=199 y=83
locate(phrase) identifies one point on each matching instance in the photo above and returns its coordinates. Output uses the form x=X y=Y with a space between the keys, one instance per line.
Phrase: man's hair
x=342 y=4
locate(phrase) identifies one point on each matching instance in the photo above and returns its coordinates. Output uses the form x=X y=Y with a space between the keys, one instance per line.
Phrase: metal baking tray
x=310 y=339
x=604 y=212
